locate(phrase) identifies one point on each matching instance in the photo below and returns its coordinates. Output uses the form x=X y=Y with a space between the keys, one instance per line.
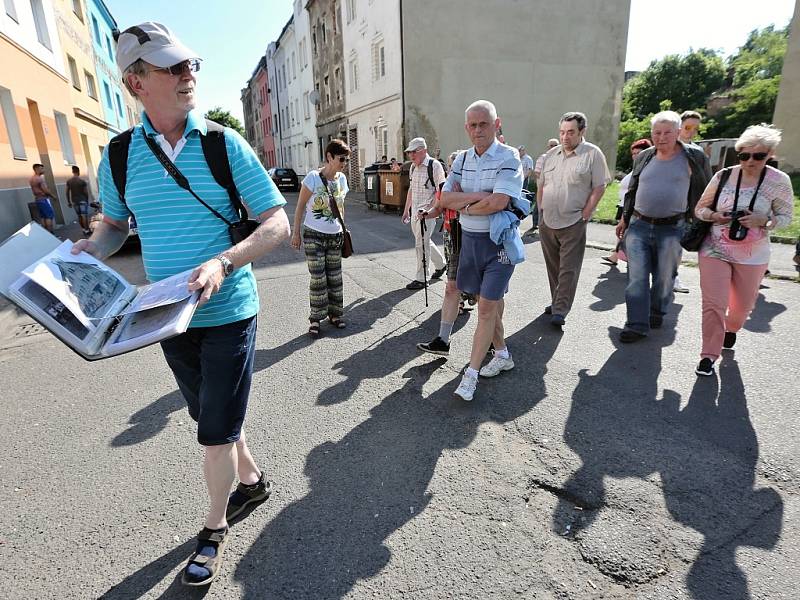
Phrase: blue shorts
x=213 y=367
x=81 y=207
x=45 y=208
x=483 y=267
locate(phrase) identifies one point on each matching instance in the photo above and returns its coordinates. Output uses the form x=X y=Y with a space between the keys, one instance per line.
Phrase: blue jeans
x=653 y=250
x=213 y=367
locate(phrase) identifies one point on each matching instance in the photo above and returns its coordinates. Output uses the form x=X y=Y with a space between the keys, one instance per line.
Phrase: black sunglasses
x=745 y=156
x=193 y=65
x=342 y=159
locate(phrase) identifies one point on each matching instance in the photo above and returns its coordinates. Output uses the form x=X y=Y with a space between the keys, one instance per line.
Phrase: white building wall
x=307 y=151
x=373 y=77
x=23 y=32
x=293 y=135
x=279 y=101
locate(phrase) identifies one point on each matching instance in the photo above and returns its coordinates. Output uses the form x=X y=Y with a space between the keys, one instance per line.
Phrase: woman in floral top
x=322 y=235
x=731 y=265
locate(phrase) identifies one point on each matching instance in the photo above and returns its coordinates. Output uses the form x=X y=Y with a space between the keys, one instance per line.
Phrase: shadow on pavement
x=705 y=455
x=610 y=290
x=374 y=480
x=763 y=313
x=150 y=421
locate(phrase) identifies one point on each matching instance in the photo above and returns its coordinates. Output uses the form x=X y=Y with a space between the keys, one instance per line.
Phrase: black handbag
x=347 y=239
x=696 y=232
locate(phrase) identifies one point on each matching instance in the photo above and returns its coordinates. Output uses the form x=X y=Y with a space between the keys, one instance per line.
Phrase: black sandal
x=211 y=563
x=337 y=322
x=313 y=329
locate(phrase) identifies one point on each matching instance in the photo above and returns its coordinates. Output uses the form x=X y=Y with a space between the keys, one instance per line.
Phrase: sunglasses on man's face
x=745 y=156
x=193 y=65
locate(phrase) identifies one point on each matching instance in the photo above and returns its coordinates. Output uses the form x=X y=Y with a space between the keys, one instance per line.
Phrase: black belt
x=659 y=220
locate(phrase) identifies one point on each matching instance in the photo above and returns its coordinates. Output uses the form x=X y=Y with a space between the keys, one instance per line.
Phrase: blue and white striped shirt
x=176 y=231
x=498 y=170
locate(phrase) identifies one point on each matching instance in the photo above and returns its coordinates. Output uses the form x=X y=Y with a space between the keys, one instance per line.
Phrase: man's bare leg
x=246 y=465
x=485 y=332
x=219 y=467
x=499 y=340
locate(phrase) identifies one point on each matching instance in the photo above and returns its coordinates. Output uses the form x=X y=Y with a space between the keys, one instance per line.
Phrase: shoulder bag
x=697 y=231
x=347 y=239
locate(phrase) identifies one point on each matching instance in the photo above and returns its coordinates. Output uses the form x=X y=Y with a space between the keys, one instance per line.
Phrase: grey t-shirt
x=663 y=187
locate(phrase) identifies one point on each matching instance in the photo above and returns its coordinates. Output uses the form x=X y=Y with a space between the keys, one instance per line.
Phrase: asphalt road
x=591 y=470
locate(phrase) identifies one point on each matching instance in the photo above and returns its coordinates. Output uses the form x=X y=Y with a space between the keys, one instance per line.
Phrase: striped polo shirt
x=176 y=231
x=498 y=170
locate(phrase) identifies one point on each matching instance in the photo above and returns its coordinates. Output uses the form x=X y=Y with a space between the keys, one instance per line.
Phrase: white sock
x=445 y=329
x=471 y=372
x=504 y=353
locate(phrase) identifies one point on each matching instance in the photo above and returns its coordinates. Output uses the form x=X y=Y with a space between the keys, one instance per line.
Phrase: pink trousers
x=729 y=294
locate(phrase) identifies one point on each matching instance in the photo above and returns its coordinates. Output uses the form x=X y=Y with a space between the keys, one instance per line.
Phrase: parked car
x=285 y=179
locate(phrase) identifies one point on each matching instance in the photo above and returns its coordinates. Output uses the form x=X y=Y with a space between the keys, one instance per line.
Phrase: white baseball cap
x=153 y=43
x=416 y=144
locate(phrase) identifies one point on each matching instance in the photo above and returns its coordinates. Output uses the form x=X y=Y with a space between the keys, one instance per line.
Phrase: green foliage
x=223 y=117
x=752 y=104
x=686 y=81
x=761 y=57
x=629 y=131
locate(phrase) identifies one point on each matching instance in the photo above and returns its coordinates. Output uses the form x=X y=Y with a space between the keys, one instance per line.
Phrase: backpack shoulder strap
x=430 y=173
x=118 y=160
x=216 y=155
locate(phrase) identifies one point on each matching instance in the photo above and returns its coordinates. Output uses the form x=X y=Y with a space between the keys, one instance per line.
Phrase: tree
x=686 y=81
x=223 y=117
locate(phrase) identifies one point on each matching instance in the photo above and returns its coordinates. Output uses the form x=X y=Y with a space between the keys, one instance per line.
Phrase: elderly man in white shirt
x=427 y=178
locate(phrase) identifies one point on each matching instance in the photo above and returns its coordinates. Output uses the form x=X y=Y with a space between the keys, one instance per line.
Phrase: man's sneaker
x=415 y=285
x=437 y=346
x=730 y=340
x=705 y=368
x=678 y=286
x=496 y=366
x=557 y=320
x=466 y=389
x=437 y=274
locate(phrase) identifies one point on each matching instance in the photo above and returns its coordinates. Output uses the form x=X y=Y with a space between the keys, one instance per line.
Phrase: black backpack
x=214 y=150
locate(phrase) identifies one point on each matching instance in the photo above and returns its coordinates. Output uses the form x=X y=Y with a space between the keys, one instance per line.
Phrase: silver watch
x=227 y=265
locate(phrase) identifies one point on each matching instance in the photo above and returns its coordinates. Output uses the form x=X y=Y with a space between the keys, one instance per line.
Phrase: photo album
x=86 y=304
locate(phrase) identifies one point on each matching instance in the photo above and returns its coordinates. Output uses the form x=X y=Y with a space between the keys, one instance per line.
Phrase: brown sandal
x=337 y=322
x=313 y=329
x=211 y=563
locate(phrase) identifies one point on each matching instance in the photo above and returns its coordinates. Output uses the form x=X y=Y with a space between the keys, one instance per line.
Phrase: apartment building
x=279 y=101
x=373 y=83
x=306 y=151
x=37 y=124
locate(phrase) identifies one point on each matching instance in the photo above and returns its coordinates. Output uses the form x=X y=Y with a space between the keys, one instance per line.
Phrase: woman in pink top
x=734 y=256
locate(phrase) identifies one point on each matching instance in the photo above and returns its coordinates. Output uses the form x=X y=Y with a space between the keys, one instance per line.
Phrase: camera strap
x=755 y=192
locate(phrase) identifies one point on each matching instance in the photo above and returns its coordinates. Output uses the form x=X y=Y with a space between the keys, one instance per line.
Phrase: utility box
x=372 y=186
x=394 y=188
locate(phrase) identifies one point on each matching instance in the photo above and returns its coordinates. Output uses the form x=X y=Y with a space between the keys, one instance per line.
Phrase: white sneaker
x=497 y=365
x=466 y=389
x=678 y=286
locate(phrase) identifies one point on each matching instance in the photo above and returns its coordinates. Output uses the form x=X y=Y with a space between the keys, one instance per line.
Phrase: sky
x=232 y=35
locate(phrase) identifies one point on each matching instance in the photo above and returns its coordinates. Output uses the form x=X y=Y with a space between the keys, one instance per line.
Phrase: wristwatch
x=227 y=265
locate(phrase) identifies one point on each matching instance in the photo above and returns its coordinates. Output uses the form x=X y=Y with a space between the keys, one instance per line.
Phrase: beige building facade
x=787 y=116
x=534 y=59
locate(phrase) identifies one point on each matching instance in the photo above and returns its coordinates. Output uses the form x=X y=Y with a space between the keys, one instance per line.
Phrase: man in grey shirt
x=666 y=183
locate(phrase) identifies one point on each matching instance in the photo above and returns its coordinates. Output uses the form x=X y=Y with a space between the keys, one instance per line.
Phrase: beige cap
x=416 y=144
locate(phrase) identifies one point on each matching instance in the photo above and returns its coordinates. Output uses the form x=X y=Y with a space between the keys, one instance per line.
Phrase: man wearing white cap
x=213 y=360
x=427 y=178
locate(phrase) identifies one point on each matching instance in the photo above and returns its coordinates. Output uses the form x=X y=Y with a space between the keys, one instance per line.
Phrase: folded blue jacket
x=504 y=229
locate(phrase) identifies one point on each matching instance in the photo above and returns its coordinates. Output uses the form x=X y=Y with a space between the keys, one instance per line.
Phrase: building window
x=378 y=60
x=337 y=82
x=275 y=116
x=306 y=107
x=382 y=140
x=76 y=8
x=11 y=10
x=64 y=138
x=73 y=73
x=283 y=70
x=351 y=10
x=324 y=33
x=335 y=14
x=354 y=75
x=327 y=92
x=12 y=124
x=107 y=91
x=96 y=30
x=40 y=21
x=109 y=49
x=119 y=106
x=297 y=110
x=294 y=67
x=303 y=52
x=314 y=41
x=90 y=87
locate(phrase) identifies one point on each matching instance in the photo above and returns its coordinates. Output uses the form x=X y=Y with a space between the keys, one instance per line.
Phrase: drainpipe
x=402 y=81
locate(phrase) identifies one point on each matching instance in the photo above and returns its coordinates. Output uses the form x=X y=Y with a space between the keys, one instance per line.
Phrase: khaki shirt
x=567 y=180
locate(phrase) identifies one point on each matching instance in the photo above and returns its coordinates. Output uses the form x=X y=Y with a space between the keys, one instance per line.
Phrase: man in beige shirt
x=573 y=179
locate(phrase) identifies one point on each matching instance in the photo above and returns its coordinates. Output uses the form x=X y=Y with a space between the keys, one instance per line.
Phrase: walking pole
x=423 y=227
